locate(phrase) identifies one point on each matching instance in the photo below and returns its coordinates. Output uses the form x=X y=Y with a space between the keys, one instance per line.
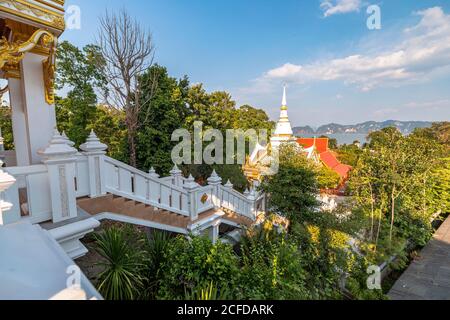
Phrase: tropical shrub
x=270 y=267
x=122 y=265
x=194 y=264
x=155 y=249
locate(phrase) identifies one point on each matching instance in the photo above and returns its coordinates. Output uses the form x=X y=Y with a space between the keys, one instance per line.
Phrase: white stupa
x=283 y=132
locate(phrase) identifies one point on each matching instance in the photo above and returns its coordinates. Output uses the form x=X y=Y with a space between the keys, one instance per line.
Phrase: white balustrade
x=82 y=186
x=237 y=202
x=30 y=195
x=126 y=181
x=204 y=199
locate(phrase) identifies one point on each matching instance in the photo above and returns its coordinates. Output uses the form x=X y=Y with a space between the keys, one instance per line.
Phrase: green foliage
x=6 y=127
x=162 y=114
x=294 y=188
x=77 y=72
x=120 y=279
x=271 y=267
x=349 y=154
x=155 y=249
x=190 y=265
x=210 y=293
x=327 y=178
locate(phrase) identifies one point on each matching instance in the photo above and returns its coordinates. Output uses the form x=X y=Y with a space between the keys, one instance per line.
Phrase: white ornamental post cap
x=190 y=183
x=215 y=178
x=57 y=149
x=252 y=195
x=93 y=144
x=246 y=192
x=152 y=173
x=229 y=185
x=175 y=171
x=68 y=141
x=6 y=180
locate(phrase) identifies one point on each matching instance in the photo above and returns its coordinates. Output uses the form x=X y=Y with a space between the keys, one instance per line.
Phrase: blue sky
x=336 y=69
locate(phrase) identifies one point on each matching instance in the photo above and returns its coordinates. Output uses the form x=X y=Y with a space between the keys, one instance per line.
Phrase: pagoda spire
x=284 y=101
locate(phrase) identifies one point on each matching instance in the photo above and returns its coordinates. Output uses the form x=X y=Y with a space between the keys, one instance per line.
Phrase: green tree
x=164 y=112
x=77 y=73
x=293 y=190
x=327 y=178
x=6 y=127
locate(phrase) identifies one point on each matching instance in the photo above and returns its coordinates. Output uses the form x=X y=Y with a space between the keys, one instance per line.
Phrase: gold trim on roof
x=52 y=18
x=12 y=53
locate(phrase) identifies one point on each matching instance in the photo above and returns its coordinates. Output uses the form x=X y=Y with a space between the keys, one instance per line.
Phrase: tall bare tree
x=127 y=51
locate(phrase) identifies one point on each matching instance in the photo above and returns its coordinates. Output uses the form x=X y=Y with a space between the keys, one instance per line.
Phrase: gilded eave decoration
x=12 y=53
x=41 y=12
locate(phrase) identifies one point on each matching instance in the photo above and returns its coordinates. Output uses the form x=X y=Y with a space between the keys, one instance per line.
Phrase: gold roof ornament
x=30 y=26
x=13 y=53
x=40 y=13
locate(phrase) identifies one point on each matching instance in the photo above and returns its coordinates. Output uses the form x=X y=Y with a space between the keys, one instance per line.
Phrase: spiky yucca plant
x=210 y=293
x=121 y=278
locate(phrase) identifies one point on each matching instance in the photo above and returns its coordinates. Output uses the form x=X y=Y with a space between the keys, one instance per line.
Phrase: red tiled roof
x=321 y=143
x=329 y=159
x=343 y=170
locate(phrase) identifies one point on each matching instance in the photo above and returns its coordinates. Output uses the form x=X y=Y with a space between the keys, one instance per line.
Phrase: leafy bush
x=271 y=267
x=155 y=249
x=196 y=263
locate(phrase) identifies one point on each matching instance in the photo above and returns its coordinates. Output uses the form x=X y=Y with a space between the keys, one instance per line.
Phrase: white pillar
x=215 y=181
x=177 y=176
x=252 y=200
x=33 y=118
x=60 y=159
x=2 y=147
x=95 y=151
x=214 y=232
x=191 y=187
x=6 y=181
x=19 y=123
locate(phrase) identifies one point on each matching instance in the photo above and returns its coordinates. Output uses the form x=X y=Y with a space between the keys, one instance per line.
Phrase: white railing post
x=152 y=173
x=60 y=160
x=6 y=181
x=214 y=232
x=191 y=187
x=2 y=147
x=95 y=151
x=177 y=176
x=215 y=181
x=252 y=197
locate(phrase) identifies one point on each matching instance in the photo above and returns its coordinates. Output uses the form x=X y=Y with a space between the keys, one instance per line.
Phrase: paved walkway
x=428 y=278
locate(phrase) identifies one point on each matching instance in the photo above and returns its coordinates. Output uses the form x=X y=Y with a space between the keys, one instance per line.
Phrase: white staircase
x=50 y=191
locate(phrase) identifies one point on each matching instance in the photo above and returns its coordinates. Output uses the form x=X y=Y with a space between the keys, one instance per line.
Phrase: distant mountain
x=406 y=127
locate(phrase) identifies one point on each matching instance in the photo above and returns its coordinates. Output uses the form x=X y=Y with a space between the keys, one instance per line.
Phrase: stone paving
x=428 y=277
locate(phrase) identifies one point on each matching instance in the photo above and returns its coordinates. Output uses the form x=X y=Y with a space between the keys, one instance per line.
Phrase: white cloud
x=331 y=7
x=422 y=52
x=437 y=104
x=382 y=113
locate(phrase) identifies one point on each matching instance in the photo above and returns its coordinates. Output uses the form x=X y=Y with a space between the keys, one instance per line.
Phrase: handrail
x=143 y=174
x=29 y=170
x=235 y=193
